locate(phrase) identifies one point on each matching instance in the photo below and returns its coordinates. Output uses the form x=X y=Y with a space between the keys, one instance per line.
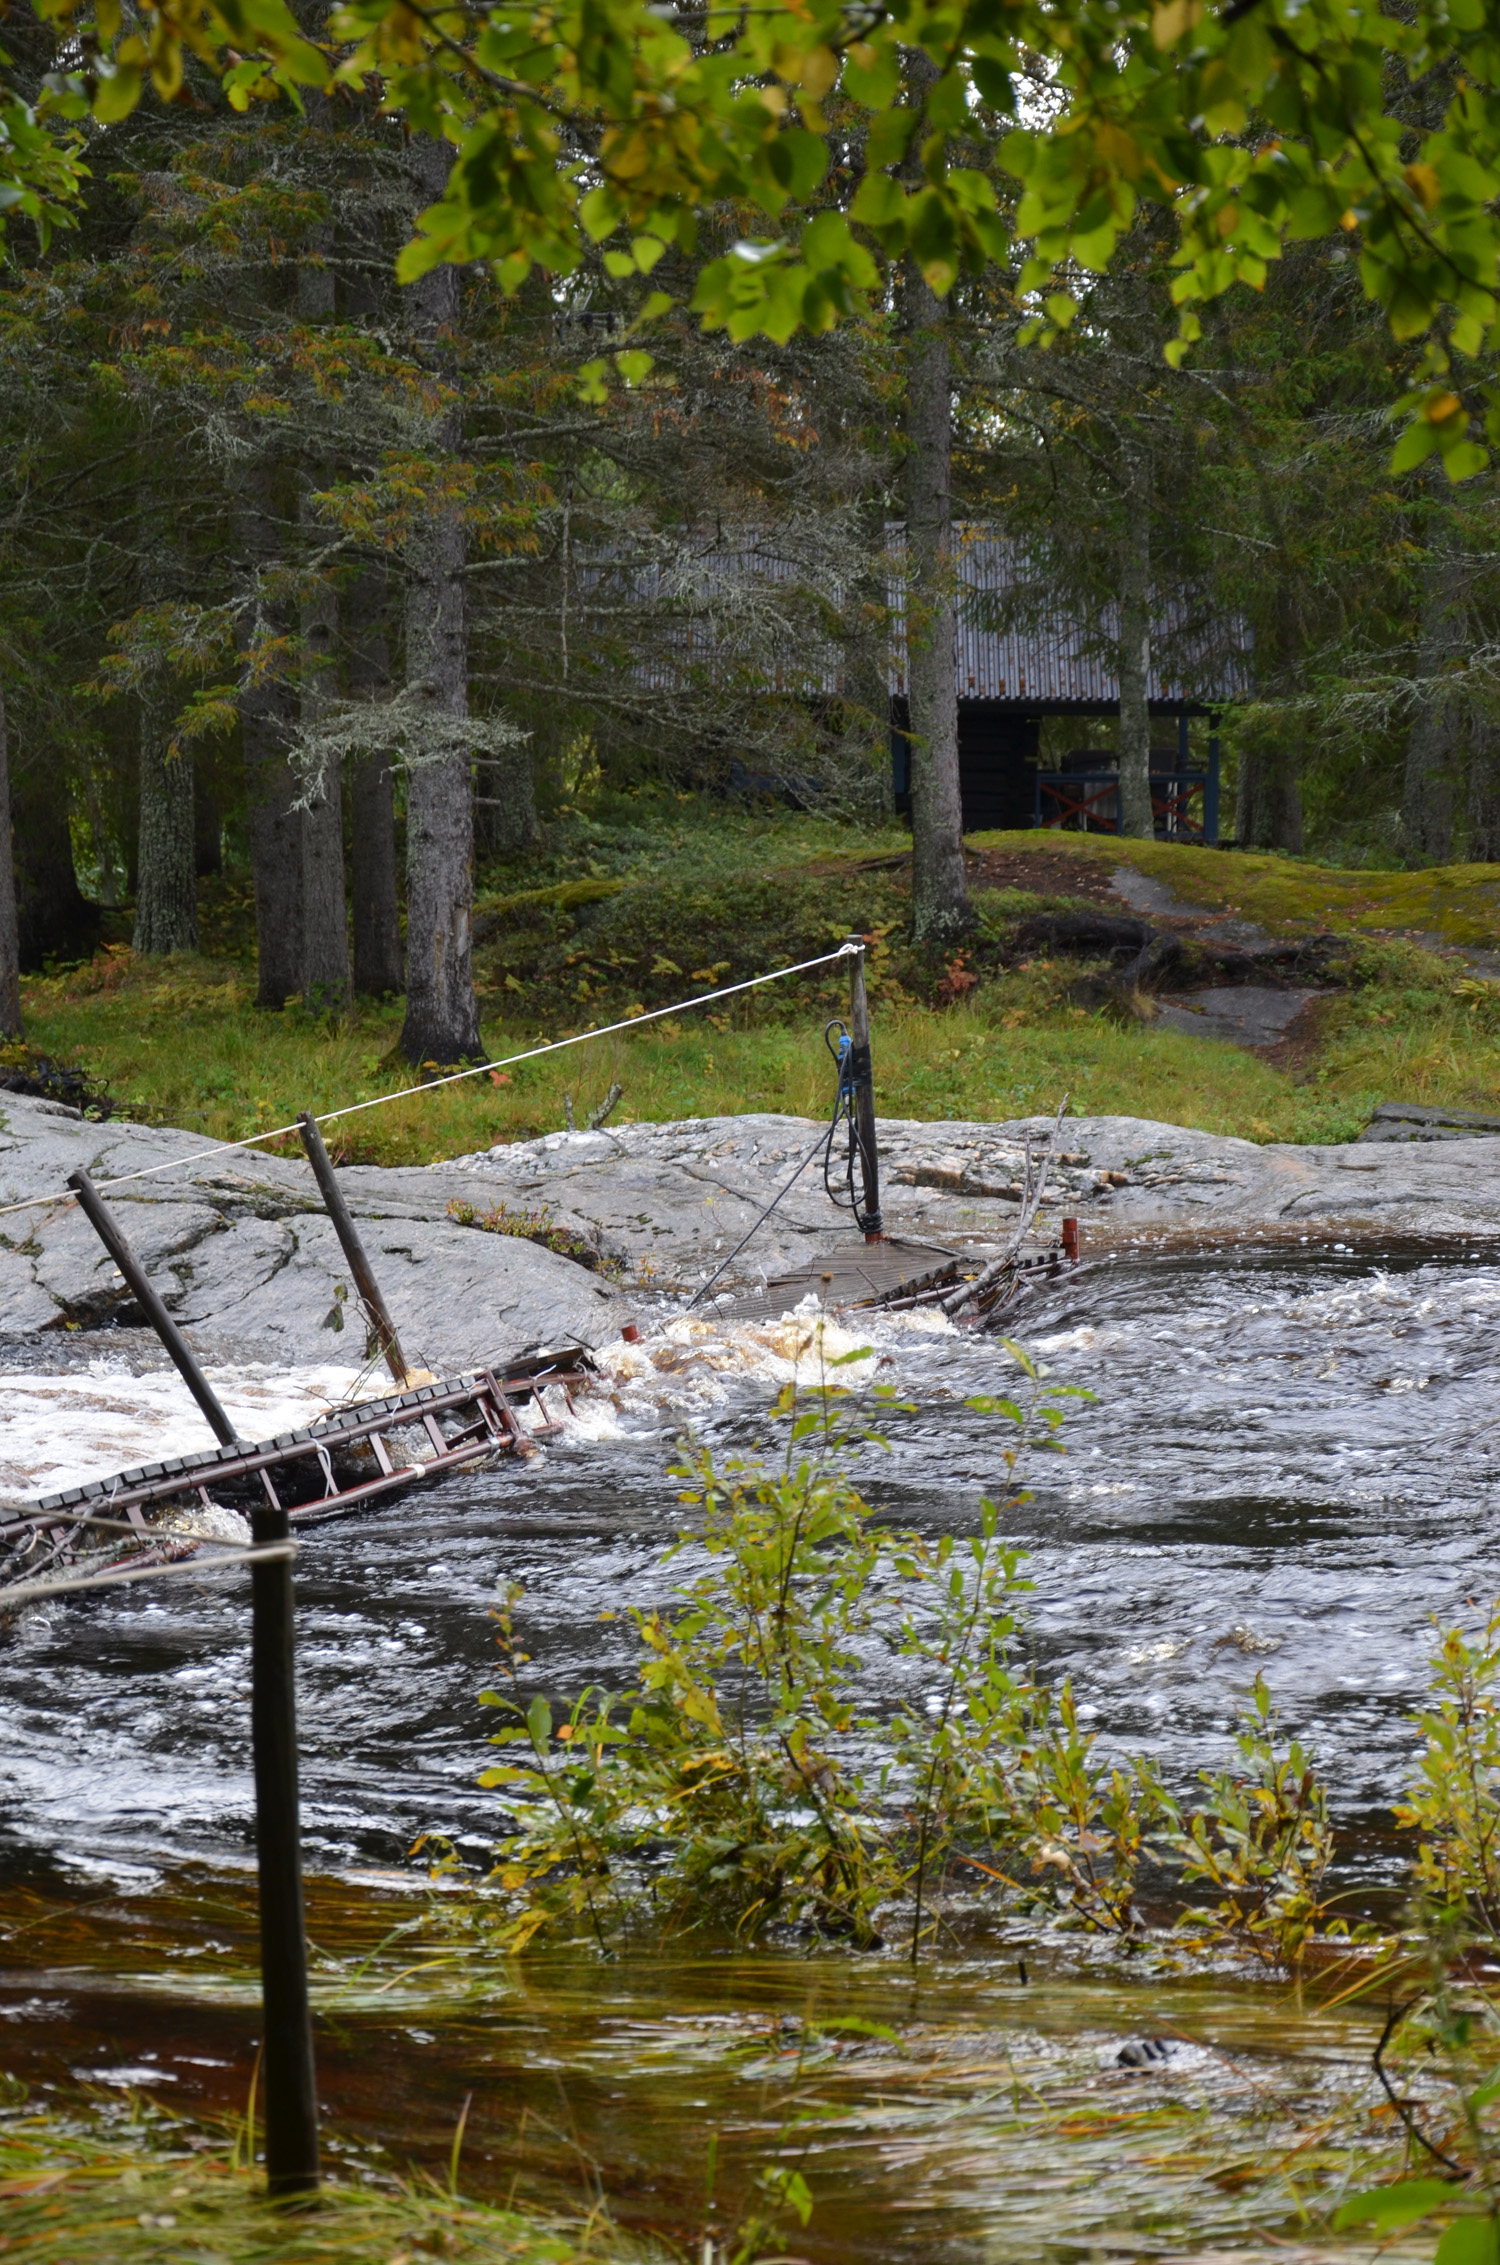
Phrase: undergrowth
x=638 y=902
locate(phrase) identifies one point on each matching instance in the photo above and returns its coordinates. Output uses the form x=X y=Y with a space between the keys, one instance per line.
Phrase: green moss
x=1290 y=896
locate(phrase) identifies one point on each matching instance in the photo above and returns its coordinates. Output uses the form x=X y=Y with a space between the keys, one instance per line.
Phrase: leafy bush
x=738 y=1781
x=1263 y=1841
x=1453 y=1801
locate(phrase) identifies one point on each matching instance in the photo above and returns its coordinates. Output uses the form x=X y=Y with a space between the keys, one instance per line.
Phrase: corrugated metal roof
x=714 y=616
x=1193 y=659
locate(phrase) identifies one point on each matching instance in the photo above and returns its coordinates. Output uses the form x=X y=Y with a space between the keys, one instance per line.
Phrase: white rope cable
x=454 y=1077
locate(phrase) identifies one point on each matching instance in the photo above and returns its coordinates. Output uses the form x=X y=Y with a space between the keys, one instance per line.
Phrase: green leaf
x=635 y=365
x=117 y=95
x=539 y=1721
x=1462 y=460
x=873 y=84
x=877 y=201
x=1388 y=2208
x=994 y=82
x=890 y=131
x=1469 y=2241
x=600 y=212
x=1415 y=445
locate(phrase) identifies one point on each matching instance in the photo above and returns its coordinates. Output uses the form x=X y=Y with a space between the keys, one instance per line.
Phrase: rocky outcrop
x=241 y=1251
x=678 y=1197
x=240 y=1248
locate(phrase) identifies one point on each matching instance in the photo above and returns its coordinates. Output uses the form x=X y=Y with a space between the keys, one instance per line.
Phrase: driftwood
x=1033 y=1188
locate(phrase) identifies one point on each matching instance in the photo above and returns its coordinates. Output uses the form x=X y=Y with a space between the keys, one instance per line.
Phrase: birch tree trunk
x=10 y=936
x=1136 y=816
x=377 y=924
x=442 y=1014
x=940 y=892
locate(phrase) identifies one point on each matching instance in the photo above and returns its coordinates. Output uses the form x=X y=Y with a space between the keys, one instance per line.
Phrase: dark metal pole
x=94 y=1209
x=287 y=2046
x=353 y=1249
x=864 y=1092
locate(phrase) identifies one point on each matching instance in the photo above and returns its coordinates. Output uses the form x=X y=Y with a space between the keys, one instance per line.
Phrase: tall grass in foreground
x=148 y=2196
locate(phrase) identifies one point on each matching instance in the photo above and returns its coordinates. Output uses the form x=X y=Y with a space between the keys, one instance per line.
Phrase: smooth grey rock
x=680 y=1195
x=243 y=1253
x=1404 y=1120
x=244 y=1256
x=1237 y=1014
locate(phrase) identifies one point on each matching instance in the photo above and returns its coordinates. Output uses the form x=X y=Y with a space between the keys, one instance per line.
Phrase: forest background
x=317 y=589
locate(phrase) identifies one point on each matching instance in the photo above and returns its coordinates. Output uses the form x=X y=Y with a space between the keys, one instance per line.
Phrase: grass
x=147 y=2190
x=640 y=902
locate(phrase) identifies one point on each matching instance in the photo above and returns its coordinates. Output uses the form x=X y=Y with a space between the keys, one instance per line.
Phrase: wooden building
x=1009 y=679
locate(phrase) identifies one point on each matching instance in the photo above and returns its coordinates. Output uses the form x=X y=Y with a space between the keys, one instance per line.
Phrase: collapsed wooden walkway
x=349 y=1458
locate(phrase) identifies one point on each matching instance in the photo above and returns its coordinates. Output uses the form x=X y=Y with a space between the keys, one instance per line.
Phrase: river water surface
x=1287 y=1466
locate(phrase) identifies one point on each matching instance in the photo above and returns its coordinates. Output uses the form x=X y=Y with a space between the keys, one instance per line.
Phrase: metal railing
x=1184 y=802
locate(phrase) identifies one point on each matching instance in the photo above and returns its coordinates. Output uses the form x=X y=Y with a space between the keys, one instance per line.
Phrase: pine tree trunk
x=208 y=831
x=166 y=905
x=10 y=938
x=267 y=722
x=1268 y=798
x=505 y=813
x=940 y=893
x=442 y=1014
x=325 y=915
x=1137 y=819
x=1483 y=843
x=1432 y=743
x=377 y=920
x=54 y=919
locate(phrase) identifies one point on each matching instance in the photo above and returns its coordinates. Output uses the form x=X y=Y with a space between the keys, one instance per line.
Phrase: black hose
x=843 y=1113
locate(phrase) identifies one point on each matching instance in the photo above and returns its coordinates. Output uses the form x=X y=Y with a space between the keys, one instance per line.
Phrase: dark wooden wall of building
x=997 y=752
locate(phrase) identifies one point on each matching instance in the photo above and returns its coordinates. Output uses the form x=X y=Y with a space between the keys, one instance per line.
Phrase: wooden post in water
x=354 y=1250
x=287 y=2054
x=861 y=1072
x=100 y=1218
x=291 y=2090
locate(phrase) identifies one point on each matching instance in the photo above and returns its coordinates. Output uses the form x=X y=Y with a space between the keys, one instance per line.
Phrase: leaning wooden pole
x=287 y=2068
x=862 y=1074
x=354 y=1250
x=100 y=1218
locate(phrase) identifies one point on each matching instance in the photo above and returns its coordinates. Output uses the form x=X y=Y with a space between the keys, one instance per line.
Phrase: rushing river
x=1287 y=1466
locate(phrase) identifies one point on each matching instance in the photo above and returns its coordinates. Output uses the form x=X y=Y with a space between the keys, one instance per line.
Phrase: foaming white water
x=60 y=1431
x=692 y=1363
